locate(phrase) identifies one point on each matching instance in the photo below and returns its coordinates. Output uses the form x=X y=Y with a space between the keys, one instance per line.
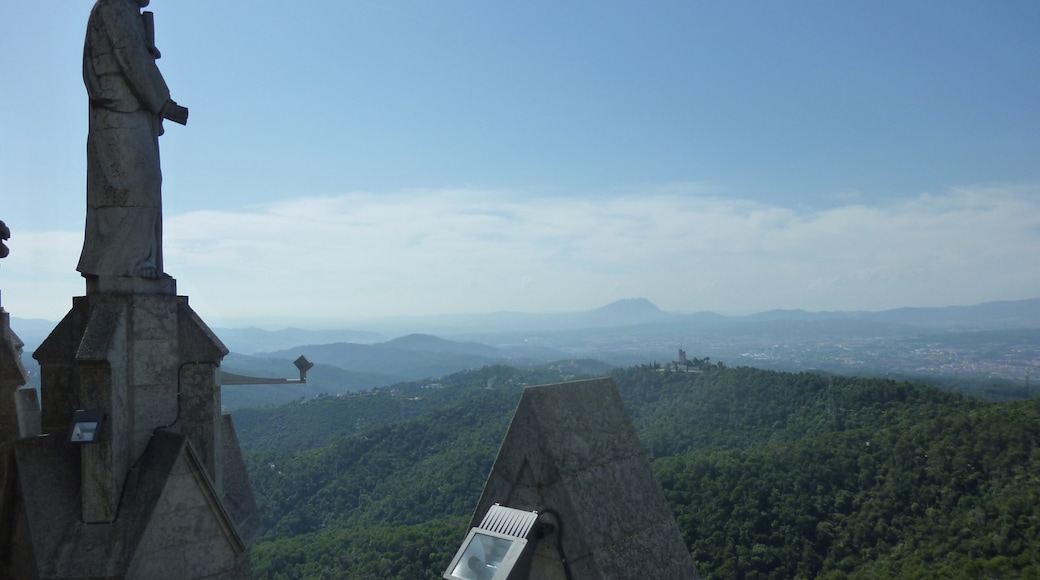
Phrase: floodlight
x=86 y=425
x=493 y=549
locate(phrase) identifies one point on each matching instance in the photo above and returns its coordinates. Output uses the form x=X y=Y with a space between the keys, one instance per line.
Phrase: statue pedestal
x=164 y=284
x=148 y=362
x=162 y=491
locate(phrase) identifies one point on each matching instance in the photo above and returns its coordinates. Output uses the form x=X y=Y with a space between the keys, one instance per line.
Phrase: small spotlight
x=493 y=549
x=86 y=425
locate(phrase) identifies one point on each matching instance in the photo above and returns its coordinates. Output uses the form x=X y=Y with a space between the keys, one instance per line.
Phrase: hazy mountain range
x=989 y=341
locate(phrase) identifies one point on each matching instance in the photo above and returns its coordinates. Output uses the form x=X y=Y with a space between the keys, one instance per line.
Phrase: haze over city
x=365 y=159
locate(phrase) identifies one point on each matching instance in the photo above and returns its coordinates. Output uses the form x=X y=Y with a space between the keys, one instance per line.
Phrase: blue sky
x=353 y=159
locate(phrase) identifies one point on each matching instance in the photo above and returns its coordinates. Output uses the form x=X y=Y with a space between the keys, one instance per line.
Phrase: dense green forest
x=769 y=474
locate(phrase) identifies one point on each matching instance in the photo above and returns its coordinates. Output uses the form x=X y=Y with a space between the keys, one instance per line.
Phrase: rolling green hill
x=407 y=358
x=770 y=474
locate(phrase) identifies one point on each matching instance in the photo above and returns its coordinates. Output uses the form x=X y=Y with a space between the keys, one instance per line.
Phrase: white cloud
x=469 y=250
x=39 y=277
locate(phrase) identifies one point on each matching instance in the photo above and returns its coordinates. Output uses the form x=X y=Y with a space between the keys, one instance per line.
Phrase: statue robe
x=127 y=95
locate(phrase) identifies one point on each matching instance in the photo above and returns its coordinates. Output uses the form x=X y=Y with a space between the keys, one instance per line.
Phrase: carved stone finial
x=5 y=234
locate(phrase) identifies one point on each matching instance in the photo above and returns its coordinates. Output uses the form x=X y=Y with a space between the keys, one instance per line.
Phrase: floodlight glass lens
x=482 y=558
x=84 y=432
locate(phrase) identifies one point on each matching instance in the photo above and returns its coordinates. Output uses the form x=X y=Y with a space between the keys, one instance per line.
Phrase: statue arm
x=125 y=31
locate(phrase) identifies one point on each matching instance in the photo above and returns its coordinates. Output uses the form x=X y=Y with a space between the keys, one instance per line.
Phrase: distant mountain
x=430 y=343
x=619 y=313
x=253 y=340
x=978 y=342
x=32 y=331
x=625 y=312
x=771 y=315
x=985 y=316
x=407 y=358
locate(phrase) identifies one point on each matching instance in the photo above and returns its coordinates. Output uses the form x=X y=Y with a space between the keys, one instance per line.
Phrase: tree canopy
x=769 y=474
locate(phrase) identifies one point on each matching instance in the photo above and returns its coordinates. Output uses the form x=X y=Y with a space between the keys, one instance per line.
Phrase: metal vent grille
x=508 y=521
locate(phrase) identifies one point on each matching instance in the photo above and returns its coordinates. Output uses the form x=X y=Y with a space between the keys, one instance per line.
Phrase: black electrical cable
x=126 y=480
x=559 y=541
x=178 y=417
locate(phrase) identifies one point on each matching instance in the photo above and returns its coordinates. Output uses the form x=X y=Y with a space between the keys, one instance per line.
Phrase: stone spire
x=12 y=373
x=150 y=483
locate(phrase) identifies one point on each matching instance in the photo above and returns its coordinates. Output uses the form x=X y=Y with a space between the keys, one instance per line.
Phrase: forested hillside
x=770 y=475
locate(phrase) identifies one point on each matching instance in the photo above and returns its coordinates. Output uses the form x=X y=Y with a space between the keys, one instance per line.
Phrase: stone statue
x=128 y=101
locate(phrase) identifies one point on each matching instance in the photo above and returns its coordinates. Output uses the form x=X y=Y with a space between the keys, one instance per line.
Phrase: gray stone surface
x=197 y=341
x=238 y=493
x=149 y=361
x=200 y=416
x=27 y=403
x=128 y=99
x=149 y=497
x=12 y=377
x=571 y=448
x=152 y=364
x=128 y=285
x=189 y=531
x=59 y=377
x=170 y=525
x=102 y=365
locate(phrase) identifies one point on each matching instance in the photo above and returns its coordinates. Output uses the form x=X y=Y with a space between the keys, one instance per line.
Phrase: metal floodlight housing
x=492 y=550
x=86 y=425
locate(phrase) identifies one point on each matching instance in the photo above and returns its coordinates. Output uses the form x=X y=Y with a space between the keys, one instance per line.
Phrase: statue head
x=143 y=3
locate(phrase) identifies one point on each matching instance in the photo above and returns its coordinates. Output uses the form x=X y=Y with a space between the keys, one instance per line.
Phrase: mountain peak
x=431 y=343
x=630 y=306
x=623 y=313
x=417 y=341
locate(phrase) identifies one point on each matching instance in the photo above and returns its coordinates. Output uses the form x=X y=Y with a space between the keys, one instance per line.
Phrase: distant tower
x=682 y=356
